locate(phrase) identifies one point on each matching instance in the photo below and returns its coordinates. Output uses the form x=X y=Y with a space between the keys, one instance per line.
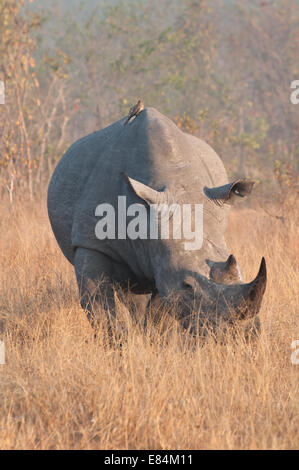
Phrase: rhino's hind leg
x=95 y=282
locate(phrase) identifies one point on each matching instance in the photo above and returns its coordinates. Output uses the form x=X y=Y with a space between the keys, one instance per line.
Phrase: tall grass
x=61 y=389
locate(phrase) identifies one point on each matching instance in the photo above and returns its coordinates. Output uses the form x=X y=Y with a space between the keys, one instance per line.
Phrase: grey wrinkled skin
x=149 y=161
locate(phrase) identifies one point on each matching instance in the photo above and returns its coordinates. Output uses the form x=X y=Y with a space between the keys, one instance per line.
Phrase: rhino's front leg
x=94 y=272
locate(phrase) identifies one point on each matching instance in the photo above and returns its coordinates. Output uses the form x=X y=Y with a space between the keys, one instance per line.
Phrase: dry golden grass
x=61 y=389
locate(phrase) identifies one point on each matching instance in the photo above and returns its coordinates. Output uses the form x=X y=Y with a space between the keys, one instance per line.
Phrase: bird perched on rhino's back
x=135 y=110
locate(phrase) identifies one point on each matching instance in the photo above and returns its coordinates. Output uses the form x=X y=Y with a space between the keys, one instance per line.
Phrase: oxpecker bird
x=135 y=110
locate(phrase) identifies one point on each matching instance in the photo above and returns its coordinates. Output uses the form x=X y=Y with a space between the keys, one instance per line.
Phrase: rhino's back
x=151 y=149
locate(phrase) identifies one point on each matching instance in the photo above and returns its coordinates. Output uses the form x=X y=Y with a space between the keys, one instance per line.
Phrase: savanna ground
x=61 y=389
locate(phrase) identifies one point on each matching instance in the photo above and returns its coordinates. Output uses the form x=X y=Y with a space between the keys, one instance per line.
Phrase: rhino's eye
x=187 y=286
x=189 y=283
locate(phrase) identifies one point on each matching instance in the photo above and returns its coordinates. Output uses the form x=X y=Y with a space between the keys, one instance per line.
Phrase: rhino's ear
x=149 y=195
x=229 y=192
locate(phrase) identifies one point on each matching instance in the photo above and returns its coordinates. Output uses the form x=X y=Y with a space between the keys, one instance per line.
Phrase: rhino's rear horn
x=228 y=193
x=230 y=262
x=225 y=272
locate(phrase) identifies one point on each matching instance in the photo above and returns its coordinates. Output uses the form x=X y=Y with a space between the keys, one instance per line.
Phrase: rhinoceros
x=151 y=163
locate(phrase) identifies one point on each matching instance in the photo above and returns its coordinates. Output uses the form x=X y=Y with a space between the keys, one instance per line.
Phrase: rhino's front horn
x=252 y=294
x=257 y=287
